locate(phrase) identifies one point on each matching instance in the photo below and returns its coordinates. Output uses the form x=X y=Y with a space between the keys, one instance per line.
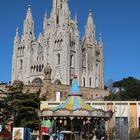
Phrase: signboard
x=6 y=130
x=18 y=133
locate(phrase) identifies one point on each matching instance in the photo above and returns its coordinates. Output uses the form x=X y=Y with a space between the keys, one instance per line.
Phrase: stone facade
x=60 y=46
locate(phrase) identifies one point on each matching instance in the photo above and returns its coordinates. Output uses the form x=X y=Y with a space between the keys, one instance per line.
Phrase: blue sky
x=118 y=20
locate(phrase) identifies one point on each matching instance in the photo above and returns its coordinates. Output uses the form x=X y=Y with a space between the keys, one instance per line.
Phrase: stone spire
x=40 y=38
x=17 y=35
x=29 y=23
x=100 y=43
x=75 y=18
x=90 y=22
x=60 y=12
x=45 y=22
x=29 y=14
x=90 y=28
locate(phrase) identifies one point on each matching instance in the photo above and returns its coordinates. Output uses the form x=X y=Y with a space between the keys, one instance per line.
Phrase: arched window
x=39 y=68
x=84 y=82
x=37 y=81
x=90 y=81
x=57 y=19
x=71 y=81
x=32 y=69
x=57 y=82
x=61 y=4
x=84 y=58
x=21 y=64
x=42 y=66
x=58 y=59
x=18 y=50
x=71 y=60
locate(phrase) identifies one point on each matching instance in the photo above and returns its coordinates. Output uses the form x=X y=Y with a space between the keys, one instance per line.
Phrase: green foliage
x=129 y=89
x=20 y=108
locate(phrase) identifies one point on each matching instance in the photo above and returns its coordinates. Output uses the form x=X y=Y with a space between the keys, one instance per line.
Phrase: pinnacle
x=90 y=19
x=90 y=12
x=100 y=37
x=29 y=13
x=45 y=15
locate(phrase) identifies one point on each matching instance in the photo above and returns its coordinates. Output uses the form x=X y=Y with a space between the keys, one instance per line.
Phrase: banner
x=20 y=133
x=26 y=133
x=6 y=130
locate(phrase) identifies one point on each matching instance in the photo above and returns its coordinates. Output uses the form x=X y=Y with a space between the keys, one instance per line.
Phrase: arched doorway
x=57 y=82
x=37 y=81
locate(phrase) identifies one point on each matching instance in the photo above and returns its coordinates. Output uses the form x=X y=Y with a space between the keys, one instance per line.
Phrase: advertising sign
x=5 y=130
x=18 y=133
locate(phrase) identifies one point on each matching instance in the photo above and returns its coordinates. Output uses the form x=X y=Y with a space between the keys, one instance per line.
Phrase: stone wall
x=49 y=90
x=3 y=87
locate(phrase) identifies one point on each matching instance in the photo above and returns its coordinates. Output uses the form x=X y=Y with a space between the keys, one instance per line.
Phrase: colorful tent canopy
x=75 y=106
x=75 y=100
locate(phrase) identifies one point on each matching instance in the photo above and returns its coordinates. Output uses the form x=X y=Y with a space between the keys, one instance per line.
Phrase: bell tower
x=60 y=12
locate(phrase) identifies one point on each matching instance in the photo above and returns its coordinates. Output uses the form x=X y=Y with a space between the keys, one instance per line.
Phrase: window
x=71 y=60
x=90 y=82
x=57 y=20
x=18 y=50
x=32 y=69
x=61 y=4
x=21 y=64
x=37 y=68
x=58 y=59
x=84 y=82
x=40 y=68
x=84 y=58
x=71 y=81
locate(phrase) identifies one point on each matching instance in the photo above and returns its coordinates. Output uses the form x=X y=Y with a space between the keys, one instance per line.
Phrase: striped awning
x=75 y=100
x=75 y=106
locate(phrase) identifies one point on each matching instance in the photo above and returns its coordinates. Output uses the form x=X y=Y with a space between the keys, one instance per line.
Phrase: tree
x=20 y=108
x=129 y=89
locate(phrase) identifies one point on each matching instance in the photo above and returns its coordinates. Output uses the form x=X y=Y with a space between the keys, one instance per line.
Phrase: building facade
x=60 y=46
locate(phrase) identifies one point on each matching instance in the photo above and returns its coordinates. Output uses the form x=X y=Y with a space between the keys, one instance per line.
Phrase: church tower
x=28 y=29
x=58 y=45
x=60 y=12
x=22 y=49
x=91 y=56
x=64 y=40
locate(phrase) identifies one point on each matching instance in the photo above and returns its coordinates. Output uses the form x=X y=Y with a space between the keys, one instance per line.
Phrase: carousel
x=74 y=119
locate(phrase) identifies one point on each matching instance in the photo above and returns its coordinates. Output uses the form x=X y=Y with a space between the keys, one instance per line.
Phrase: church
x=61 y=46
